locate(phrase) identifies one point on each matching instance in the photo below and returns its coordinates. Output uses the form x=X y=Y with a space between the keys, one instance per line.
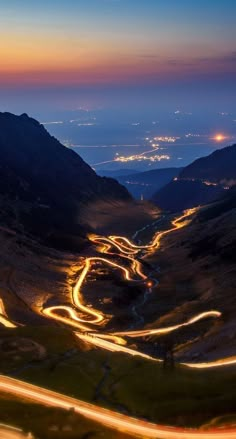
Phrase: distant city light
x=88 y=124
x=141 y=157
x=59 y=122
x=166 y=139
x=219 y=137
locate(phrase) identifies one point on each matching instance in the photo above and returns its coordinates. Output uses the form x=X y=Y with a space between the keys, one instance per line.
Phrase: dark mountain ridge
x=218 y=166
x=44 y=183
x=201 y=182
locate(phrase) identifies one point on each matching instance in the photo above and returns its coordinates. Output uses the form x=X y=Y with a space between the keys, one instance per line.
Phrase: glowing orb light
x=219 y=137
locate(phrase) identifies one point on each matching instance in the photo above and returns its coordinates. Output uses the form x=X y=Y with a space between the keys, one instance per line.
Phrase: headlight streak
x=128 y=249
x=109 y=418
x=168 y=329
x=9 y=432
x=4 y=320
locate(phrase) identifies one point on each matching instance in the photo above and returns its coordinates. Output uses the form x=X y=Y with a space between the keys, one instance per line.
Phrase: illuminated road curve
x=76 y=299
x=229 y=361
x=113 y=341
x=177 y=223
x=114 y=347
x=106 y=417
x=145 y=332
x=9 y=432
x=4 y=320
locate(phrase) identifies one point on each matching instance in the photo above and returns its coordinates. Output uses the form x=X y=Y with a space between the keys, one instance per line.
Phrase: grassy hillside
x=137 y=387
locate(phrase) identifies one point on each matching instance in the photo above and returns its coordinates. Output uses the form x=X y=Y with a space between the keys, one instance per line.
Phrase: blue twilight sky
x=136 y=55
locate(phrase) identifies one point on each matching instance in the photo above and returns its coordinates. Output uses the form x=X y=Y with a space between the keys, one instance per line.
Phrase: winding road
x=9 y=432
x=106 y=417
x=80 y=317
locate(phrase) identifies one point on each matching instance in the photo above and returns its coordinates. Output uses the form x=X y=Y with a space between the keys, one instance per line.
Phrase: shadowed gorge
x=44 y=185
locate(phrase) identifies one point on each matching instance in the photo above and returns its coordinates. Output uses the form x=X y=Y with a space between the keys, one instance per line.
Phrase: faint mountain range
x=116 y=173
x=203 y=181
x=145 y=184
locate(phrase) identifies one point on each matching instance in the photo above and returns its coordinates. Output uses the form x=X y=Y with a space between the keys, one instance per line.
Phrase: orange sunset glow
x=77 y=47
x=117 y=219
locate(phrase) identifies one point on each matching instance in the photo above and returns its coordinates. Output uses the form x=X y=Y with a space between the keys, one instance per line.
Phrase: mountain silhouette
x=43 y=184
x=203 y=181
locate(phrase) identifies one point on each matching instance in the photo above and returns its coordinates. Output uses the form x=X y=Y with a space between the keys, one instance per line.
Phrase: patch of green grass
x=76 y=376
x=50 y=423
x=140 y=387
x=182 y=396
x=55 y=339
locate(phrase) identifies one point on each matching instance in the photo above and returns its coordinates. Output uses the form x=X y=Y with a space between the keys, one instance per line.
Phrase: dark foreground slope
x=44 y=185
x=201 y=182
x=198 y=274
x=51 y=356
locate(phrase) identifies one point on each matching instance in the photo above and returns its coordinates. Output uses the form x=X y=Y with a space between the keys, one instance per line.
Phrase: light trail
x=109 y=418
x=168 y=329
x=177 y=224
x=114 y=342
x=136 y=265
x=113 y=347
x=137 y=268
x=144 y=156
x=74 y=320
x=4 y=320
x=116 y=339
x=111 y=242
x=9 y=432
x=228 y=361
x=77 y=295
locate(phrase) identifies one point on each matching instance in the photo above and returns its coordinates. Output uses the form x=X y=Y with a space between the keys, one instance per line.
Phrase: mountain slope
x=197 y=274
x=116 y=173
x=201 y=182
x=180 y=194
x=218 y=166
x=44 y=185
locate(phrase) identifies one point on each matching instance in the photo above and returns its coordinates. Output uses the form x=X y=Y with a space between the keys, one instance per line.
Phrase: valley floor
x=45 y=352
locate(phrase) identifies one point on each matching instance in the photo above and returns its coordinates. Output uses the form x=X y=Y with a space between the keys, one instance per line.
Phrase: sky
x=66 y=42
x=114 y=53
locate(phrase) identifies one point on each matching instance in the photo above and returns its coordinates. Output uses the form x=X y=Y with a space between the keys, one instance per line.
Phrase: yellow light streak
x=177 y=224
x=9 y=432
x=114 y=420
x=168 y=329
x=4 y=320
